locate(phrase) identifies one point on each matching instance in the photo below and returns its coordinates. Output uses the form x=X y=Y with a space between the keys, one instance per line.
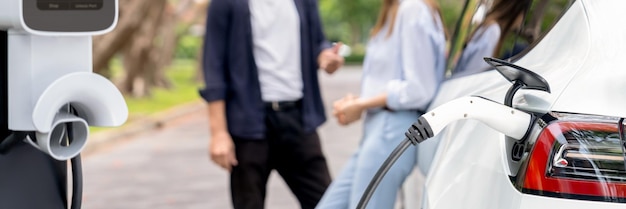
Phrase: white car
x=573 y=154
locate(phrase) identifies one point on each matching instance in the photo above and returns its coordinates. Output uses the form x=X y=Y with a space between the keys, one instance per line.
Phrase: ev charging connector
x=507 y=120
x=50 y=69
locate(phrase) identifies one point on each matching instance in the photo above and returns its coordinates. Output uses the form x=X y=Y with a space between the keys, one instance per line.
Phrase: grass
x=182 y=75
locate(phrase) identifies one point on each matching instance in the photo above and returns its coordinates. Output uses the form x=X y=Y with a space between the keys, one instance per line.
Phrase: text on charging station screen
x=69 y=4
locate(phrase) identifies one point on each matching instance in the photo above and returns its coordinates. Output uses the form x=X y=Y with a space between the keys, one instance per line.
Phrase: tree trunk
x=138 y=58
x=132 y=15
x=184 y=14
x=147 y=36
x=170 y=37
x=201 y=12
x=170 y=32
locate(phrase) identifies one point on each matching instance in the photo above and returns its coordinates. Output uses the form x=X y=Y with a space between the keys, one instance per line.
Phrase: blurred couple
x=261 y=86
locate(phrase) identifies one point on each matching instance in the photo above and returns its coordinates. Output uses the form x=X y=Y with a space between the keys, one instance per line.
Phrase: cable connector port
x=419 y=131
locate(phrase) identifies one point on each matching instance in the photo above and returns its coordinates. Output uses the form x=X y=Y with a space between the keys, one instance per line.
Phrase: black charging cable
x=369 y=191
x=77 y=182
x=12 y=139
x=417 y=133
x=77 y=168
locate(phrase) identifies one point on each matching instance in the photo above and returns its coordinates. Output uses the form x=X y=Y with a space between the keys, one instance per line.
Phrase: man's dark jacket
x=230 y=72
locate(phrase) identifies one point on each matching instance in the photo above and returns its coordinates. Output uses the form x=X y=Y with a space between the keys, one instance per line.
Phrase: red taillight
x=580 y=160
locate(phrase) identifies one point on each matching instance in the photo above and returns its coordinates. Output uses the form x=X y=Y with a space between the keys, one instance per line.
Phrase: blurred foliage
x=182 y=73
x=554 y=11
x=189 y=41
x=188 y=46
x=555 y=8
x=347 y=21
x=350 y=21
x=355 y=59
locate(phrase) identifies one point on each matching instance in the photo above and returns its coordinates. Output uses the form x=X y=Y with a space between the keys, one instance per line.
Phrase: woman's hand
x=348 y=109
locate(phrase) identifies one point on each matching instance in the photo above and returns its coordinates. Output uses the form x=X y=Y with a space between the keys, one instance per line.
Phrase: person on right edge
x=403 y=67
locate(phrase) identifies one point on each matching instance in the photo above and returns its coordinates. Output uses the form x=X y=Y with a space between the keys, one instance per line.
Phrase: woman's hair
x=388 y=12
x=506 y=13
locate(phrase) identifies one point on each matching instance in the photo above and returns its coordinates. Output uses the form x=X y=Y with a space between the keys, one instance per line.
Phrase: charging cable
x=511 y=122
x=77 y=167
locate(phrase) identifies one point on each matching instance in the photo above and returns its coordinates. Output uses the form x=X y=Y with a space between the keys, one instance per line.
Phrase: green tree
x=349 y=21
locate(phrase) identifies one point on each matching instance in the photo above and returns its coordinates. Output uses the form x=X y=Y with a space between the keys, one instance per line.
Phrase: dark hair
x=505 y=13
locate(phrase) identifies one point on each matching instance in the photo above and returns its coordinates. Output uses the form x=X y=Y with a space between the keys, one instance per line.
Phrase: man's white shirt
x=276 y=48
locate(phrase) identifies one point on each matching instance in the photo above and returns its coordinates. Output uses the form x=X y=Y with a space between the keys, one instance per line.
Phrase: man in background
x=260 y=69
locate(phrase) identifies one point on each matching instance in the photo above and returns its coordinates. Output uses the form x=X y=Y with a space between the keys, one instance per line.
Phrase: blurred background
x=154 y=53
x=154 y=56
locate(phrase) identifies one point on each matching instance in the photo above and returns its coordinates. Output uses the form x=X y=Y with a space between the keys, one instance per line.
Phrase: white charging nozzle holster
x=52 y=90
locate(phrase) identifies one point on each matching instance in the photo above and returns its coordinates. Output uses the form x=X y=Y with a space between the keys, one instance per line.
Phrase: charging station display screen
x=69 y=4
x=69 y=15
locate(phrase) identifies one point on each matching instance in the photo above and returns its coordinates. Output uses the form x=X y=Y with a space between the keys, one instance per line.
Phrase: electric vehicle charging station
x=50 y=96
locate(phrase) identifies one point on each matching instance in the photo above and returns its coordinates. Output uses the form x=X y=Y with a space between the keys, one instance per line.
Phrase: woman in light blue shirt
x=403 y=67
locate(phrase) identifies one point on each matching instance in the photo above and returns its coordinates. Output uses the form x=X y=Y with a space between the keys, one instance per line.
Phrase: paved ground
x=169 y=167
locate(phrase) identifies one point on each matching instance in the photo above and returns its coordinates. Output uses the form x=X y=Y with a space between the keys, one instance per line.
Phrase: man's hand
x=222 y=150
x=330 y=60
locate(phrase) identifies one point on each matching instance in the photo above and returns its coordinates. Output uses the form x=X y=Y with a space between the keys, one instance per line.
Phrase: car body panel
x=597 y=87
x=579 y=58
x=461 y=178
